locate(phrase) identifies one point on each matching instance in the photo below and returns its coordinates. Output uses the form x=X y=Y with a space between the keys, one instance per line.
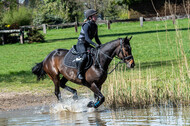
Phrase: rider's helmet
x=90 y=12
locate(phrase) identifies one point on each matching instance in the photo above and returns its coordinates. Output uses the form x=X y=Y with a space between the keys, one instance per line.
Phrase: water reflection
x=70 y=118
x=153 y=116
x=105 y=117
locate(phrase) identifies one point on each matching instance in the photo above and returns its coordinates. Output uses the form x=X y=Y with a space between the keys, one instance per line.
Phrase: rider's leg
x=81 y=66
x=81 y=47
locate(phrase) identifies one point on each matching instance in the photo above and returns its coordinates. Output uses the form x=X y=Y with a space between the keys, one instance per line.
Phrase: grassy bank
x=162 y=73
x=161 y=52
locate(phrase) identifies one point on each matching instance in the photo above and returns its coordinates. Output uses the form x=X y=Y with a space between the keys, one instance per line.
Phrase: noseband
x=121 y=60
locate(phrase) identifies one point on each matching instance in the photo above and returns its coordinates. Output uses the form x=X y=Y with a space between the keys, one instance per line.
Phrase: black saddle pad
x=70 y=59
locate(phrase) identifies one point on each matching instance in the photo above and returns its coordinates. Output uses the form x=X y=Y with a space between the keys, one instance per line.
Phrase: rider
x=89 y=31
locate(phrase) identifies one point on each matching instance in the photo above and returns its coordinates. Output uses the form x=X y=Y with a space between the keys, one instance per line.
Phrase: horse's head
x=125 y=53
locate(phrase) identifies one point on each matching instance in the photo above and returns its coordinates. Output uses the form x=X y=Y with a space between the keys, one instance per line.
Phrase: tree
x=8 y=4
x=64 y=9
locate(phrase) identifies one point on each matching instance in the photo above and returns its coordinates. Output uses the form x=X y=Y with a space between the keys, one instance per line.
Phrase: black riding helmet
x=90 y=12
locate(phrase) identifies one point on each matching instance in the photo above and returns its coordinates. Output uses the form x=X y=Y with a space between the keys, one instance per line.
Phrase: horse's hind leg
x=62 y=84
x=56 y=81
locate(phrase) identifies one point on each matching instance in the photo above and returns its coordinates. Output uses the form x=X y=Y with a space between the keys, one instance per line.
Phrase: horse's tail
x=38 y=71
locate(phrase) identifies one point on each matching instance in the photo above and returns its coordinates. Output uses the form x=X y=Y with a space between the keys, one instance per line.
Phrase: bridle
x=130 y=57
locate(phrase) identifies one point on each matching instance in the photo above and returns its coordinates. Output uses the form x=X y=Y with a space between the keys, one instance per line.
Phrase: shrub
x=38 y=18
x=123 y=14
x=17 y=17
x=42 y=18
x=1 y=26
x=51 y=19
x=35 y=36
x=56 y=11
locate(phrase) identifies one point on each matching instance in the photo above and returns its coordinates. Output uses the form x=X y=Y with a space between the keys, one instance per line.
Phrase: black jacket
x=88 y=32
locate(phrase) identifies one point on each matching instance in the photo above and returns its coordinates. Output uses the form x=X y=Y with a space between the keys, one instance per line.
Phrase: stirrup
x=79 y=76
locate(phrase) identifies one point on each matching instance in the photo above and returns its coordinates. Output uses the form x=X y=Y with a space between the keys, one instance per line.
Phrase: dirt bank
x=12 y=101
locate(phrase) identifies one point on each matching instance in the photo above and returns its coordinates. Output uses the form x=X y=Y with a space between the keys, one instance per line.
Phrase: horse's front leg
x=99 y=97
x=96 y=96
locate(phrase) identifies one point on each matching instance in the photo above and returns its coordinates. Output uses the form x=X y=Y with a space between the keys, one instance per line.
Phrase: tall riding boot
x=80 y=70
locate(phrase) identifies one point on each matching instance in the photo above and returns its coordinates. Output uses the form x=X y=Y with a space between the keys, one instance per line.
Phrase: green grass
x=161 y=51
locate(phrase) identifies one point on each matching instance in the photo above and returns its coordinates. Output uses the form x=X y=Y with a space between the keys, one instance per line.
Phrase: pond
x=76 y=113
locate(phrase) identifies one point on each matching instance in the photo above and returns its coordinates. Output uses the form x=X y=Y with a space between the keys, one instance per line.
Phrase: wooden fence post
x=21 y=36
x=141 y=21
x=108 y=24
x=173 y=18
x=76 y=29
x=44 y=28
x=3 y=39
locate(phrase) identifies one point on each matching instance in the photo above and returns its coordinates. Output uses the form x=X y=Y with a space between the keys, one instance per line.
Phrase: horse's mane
x=109 y=42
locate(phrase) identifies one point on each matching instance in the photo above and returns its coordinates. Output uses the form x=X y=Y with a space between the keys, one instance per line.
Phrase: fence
x=76 y=24
x=108 y=22
x=5 y=33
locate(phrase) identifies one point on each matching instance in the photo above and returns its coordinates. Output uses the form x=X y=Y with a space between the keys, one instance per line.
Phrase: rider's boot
x=80 y=70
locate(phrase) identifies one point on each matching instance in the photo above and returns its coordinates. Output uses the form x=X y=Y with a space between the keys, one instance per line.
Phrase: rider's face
x=94 y=17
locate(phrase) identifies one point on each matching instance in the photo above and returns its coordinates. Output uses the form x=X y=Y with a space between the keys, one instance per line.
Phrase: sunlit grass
x=164 y=79
x=161 y=51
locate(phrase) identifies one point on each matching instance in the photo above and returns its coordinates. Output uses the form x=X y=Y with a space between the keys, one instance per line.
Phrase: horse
x=95 y=76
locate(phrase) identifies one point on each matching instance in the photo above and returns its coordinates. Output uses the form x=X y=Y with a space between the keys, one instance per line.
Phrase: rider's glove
x=97 y=46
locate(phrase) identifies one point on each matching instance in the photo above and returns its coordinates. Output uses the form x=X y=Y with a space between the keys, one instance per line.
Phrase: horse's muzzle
x=130 y=63
x=133 y=65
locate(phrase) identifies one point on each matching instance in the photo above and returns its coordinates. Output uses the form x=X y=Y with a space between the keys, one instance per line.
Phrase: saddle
x=73 y=57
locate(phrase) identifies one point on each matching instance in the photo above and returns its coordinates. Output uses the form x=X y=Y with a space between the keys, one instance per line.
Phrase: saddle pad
x=70 y=60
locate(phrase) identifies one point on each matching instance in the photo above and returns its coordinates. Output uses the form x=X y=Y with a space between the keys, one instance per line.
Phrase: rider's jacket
x=89 y=31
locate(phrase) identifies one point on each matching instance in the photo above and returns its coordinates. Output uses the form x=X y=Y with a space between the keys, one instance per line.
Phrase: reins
x=121 y=60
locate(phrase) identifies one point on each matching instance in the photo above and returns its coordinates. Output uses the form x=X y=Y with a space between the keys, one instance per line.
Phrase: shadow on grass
x=28 y=77
x=155 y=64
x=61 y=39
x=21 y=76
x=118 y=34
x=146 y=65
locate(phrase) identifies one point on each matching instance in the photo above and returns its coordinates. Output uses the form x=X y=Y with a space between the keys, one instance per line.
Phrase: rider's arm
x=97 y=38
x=85 y=28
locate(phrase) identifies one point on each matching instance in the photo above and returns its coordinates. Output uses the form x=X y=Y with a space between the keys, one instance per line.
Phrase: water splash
x=71 y=105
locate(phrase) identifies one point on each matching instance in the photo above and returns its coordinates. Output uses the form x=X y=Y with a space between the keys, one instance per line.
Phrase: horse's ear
x=130 y=38
x=126 y=38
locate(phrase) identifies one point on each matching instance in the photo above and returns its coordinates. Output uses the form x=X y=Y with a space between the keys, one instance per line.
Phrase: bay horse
x=95 y=76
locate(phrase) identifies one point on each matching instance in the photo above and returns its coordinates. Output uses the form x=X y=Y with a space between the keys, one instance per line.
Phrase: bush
x=1 y=26
x=56 y=11
x=51 y=20
x=40 y=18
x=123 y=14
x=17 y=17
x=35 y=36
x=37 y=19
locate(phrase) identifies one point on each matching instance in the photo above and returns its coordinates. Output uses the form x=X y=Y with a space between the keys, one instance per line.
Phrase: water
x=73 y=113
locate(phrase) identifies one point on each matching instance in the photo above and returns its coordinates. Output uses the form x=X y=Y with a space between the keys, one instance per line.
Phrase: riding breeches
x=82 y=48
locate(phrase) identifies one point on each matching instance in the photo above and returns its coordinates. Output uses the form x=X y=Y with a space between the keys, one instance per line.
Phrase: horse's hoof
x=90 y=104
x=60 y=100
x=75 y=97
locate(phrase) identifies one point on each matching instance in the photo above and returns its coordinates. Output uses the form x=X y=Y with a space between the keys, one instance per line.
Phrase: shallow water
x=76 y=113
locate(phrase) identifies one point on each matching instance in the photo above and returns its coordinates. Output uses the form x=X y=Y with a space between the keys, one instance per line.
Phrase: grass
x=162 y=73
x=161 y=52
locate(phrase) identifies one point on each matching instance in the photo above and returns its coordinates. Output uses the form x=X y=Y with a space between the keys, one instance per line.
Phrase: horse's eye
x=127 y=48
